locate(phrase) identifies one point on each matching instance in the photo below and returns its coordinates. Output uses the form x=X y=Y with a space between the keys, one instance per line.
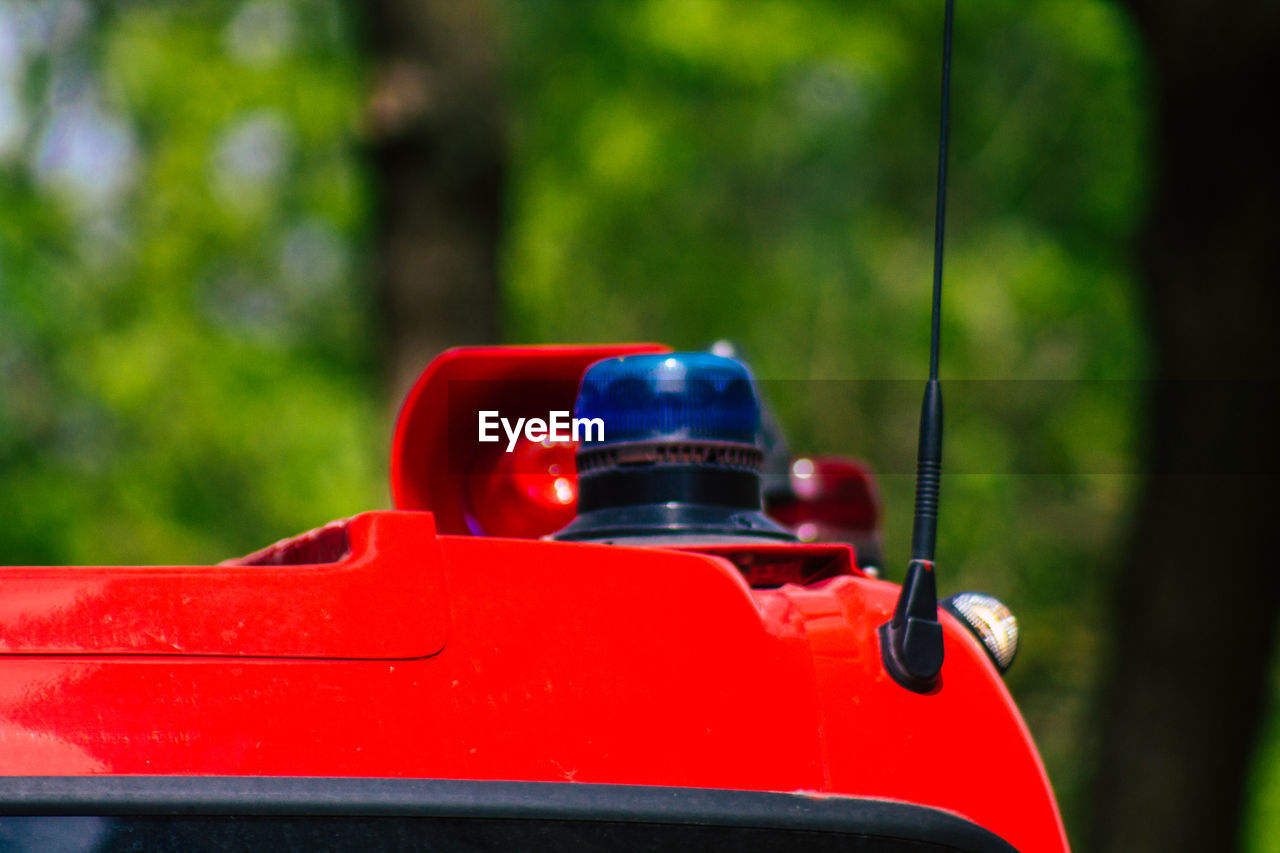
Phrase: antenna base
x=911 y=642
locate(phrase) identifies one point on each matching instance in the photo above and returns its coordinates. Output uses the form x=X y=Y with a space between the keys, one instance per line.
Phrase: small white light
x=991 y=622
x=724 y=349
x=802 y=468
x=564 y=490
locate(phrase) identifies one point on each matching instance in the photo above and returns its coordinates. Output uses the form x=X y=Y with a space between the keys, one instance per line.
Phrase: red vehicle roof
x=378 y=647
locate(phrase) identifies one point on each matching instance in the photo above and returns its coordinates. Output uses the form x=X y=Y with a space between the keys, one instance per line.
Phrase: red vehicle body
x=401 y=645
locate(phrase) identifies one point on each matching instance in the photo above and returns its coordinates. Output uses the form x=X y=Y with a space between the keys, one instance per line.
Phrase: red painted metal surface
x=415 y=654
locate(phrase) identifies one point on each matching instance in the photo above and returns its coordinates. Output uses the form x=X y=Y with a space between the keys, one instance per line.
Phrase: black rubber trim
x=666 y=484
x=330 y=797
x=663 y=520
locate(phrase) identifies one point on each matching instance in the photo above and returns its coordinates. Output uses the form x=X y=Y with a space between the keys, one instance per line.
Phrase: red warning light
x=832 y=499
x=527 y=493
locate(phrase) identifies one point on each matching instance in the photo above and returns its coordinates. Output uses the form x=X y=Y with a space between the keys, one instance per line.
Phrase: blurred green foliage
x=188 y=351
x=1262 y=821
x=185 y=352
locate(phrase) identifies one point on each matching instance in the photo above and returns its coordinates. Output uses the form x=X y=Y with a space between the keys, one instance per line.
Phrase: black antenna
x=911 y=642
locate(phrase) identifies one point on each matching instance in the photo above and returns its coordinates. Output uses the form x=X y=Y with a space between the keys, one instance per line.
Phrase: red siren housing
x=439 y=464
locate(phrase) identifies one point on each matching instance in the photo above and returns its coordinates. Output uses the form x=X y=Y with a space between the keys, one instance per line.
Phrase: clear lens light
x=991 y=622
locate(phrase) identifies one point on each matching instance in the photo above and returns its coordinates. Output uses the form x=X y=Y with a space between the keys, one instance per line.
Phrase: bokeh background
x=231 y=233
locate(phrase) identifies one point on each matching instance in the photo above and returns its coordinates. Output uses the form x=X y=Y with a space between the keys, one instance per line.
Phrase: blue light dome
x=681 y=396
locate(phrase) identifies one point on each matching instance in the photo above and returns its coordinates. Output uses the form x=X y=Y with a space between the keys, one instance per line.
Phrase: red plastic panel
x=564 y=662
x=384 y=600
x=964 y=748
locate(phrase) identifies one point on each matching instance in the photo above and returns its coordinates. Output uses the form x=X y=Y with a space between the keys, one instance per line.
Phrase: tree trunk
x=438 y=157
x=1198 y=593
